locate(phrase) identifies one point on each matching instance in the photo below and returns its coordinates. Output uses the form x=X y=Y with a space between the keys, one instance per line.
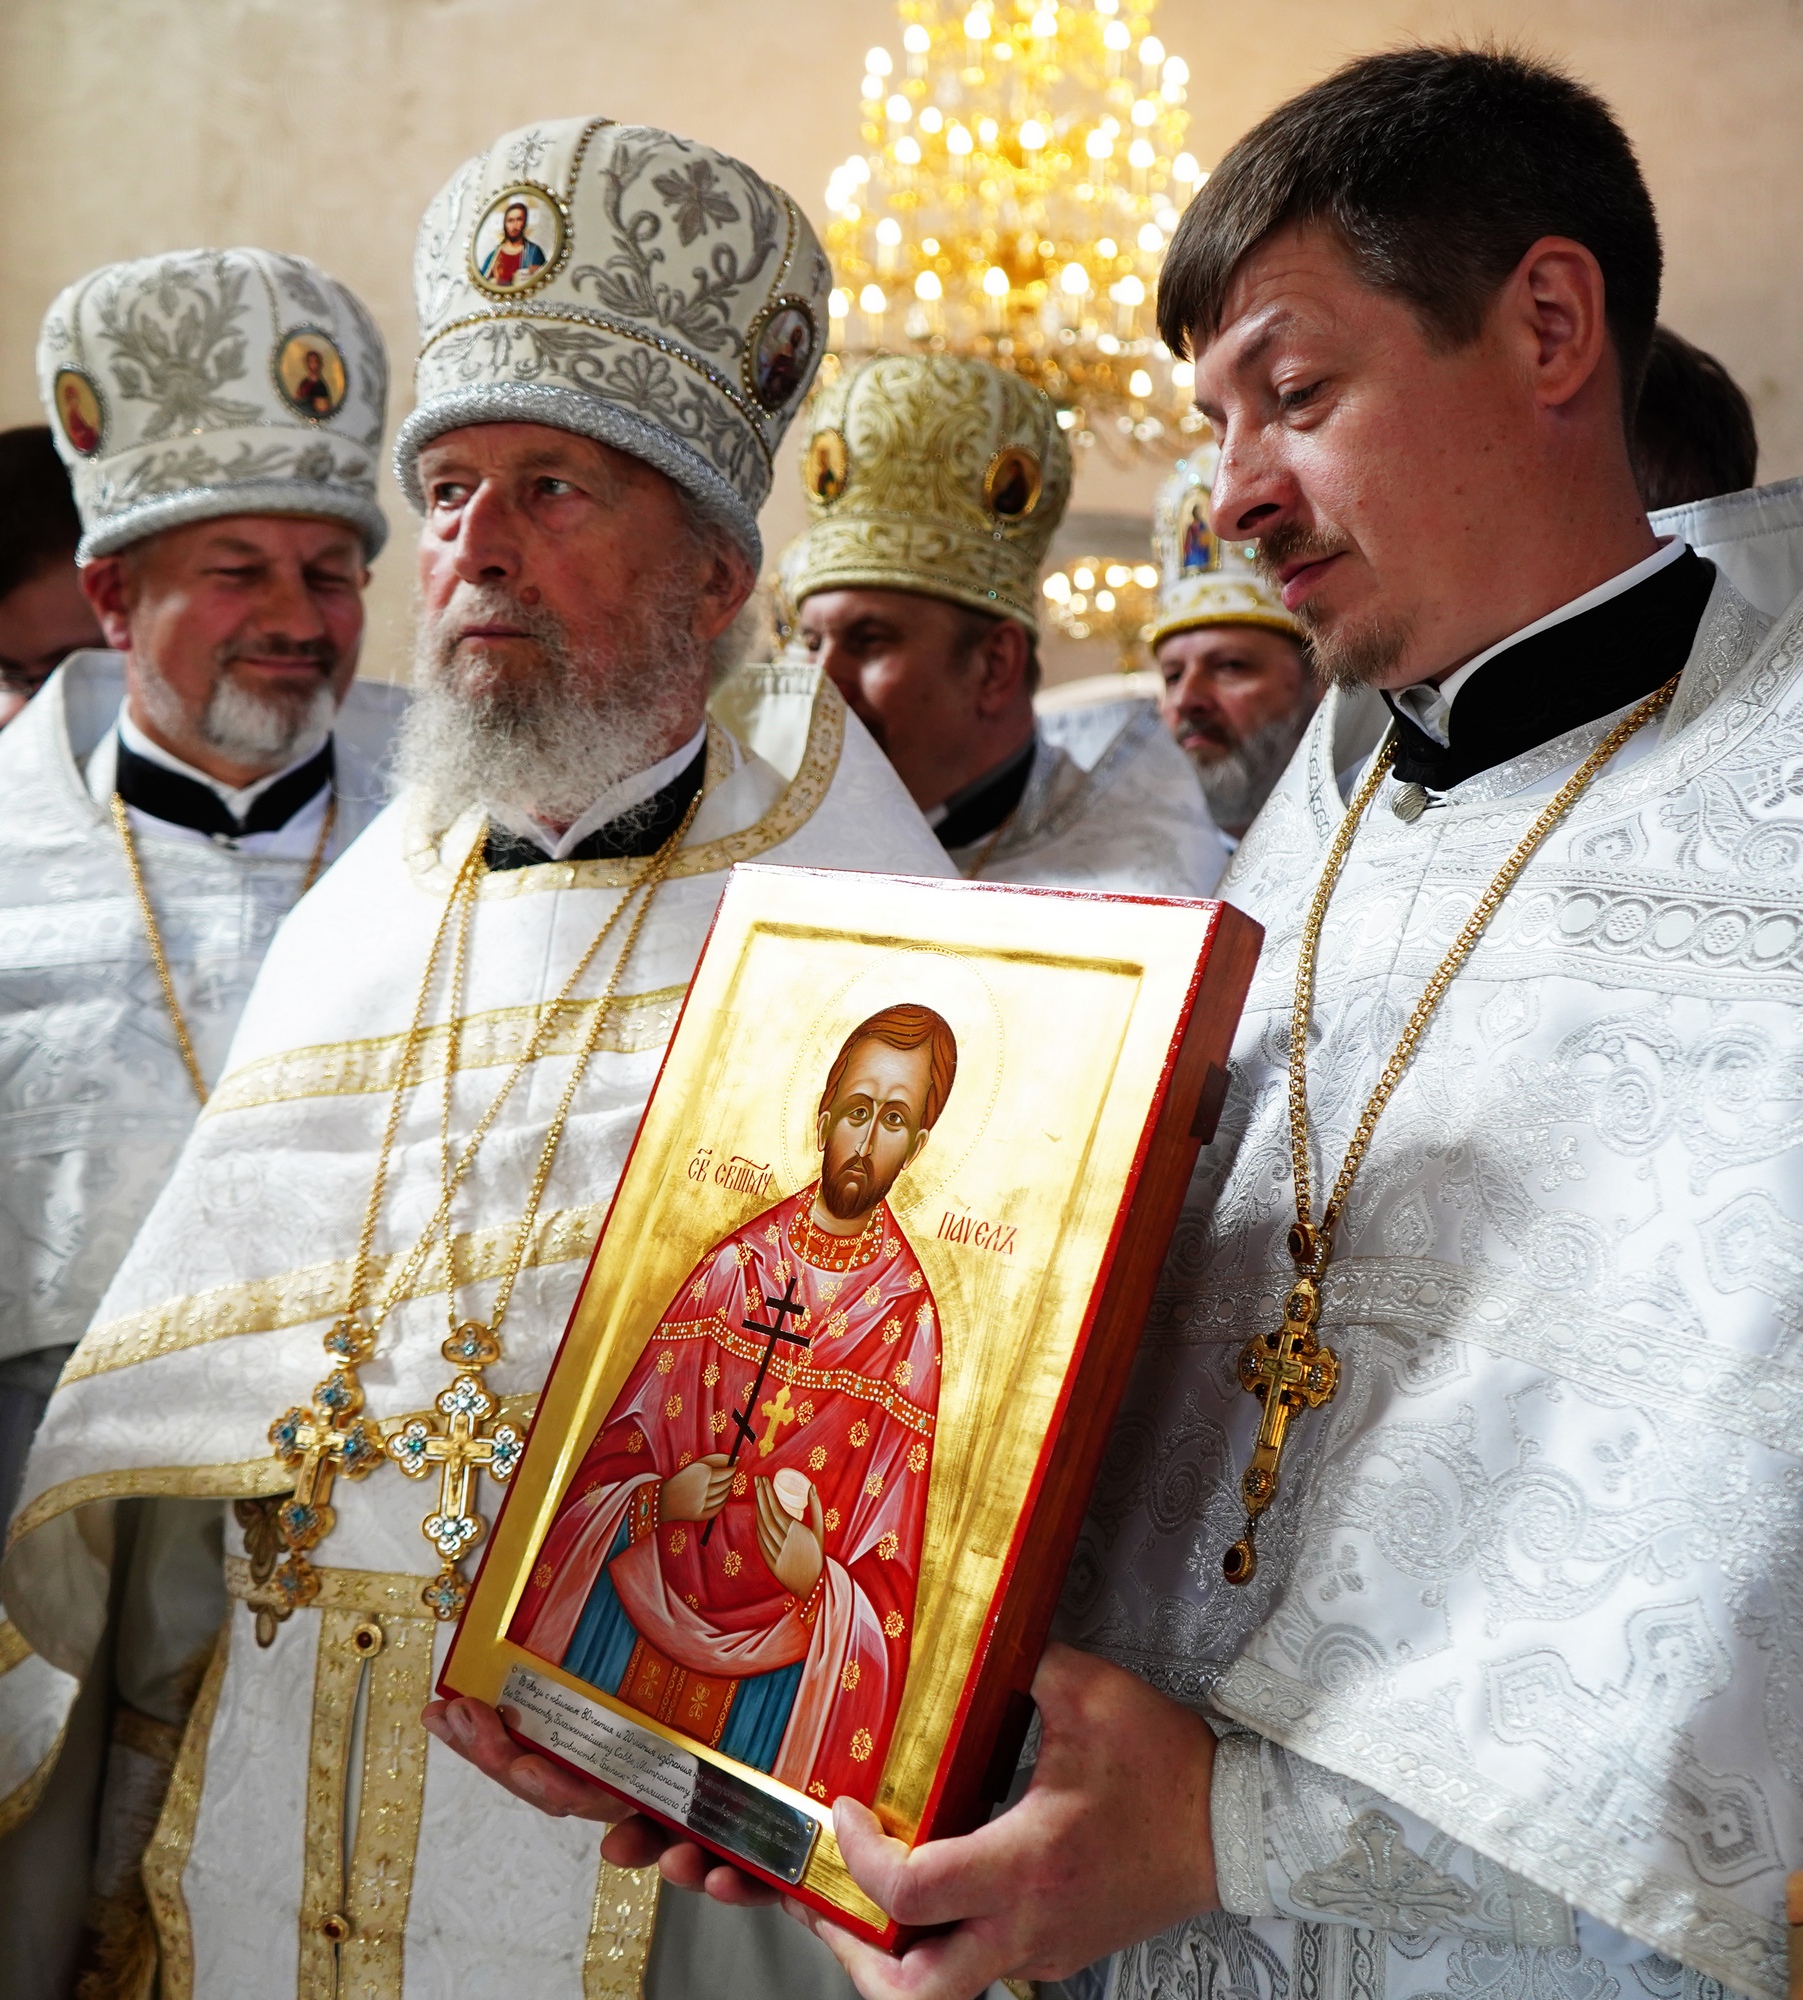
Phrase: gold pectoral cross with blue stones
x=332 y=1437
x=462 y=1448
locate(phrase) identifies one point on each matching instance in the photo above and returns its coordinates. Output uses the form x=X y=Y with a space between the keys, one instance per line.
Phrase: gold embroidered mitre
x=935 y=475
x=1203 y=580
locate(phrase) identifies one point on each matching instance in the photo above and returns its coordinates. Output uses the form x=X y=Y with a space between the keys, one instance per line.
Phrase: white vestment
x=1512 y=1705
x=305 y=1789
x=96 y=1099
x=1111 y=803
x=1754 y=537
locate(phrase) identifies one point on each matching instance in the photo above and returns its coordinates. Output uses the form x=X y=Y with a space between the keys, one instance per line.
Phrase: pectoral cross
x=785 y=1307
x=780 y=1416
x=1288 y=1370
x=461 y=1450
x=318 y=1444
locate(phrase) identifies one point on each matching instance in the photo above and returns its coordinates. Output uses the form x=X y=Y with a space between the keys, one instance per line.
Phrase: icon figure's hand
x=698 y=1491
x=793 y=1551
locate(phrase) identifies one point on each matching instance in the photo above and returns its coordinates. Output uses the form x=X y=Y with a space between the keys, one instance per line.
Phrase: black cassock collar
x=636 y=833
x=1558 y=679
x=168 y=795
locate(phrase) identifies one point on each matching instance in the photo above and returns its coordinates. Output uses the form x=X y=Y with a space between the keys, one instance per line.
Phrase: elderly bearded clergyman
x=385 y=1215
x=1474 y=1676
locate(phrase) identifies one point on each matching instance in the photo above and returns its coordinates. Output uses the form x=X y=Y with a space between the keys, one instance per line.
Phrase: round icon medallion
x=78 y=411
x=1197 y=549
x=311 y=374
x=779 y=354
x=520 y=240
x=827 y=466
x=1011 y=485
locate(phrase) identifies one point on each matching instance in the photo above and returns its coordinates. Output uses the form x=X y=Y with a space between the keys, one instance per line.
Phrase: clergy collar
x=982 y=805
x=629 y=820
x=1596 y=654
x=153 y=780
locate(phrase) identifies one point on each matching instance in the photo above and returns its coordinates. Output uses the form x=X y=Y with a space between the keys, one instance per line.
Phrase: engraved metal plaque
x=718 y=1806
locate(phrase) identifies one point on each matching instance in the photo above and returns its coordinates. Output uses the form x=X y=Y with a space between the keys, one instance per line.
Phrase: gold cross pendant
x=1287 y=1371
x=460 y=1450
x=318 y=1443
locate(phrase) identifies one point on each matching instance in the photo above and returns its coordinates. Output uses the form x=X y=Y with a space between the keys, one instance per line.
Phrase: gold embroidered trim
x=370 y=1592
x=313 y=1292
x=619 y=1933
x=166 y=1858
x=841 y=1380
x=253 y=1478
x=323 y=1916
x=792 y=810
x=22 y=1800
x=14 y=1646
x=393 y=1793
x=490 y=1040
x=353 y=1914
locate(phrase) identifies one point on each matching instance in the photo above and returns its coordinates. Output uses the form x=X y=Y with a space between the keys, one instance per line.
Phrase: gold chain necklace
x=1289 y=1370
x=154 y=937
x=333 y=1436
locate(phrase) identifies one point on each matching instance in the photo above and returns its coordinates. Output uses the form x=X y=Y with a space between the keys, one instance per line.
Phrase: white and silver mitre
x=628 y=285
x=1204 y=580
x=208 y=382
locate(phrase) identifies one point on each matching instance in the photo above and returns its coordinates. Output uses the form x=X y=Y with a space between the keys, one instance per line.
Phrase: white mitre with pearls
x=210 y=382
x=628 y=285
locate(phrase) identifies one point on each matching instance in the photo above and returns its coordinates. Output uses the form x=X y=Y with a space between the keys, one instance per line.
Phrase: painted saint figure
x=762 y=1600
x=516 y=253
x=314 y=392
x=81 y=434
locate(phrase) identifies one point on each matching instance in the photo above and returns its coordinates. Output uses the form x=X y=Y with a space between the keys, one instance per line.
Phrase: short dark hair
x=1693 y=432
x=39 y=526
x=1437 y=168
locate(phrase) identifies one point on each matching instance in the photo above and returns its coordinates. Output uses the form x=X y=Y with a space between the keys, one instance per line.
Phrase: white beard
x=545 y=748
x=264 y=730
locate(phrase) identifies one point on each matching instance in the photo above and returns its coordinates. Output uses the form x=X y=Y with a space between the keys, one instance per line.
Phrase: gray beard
x=1238 y=784
x=544 y=747
x=248 y=728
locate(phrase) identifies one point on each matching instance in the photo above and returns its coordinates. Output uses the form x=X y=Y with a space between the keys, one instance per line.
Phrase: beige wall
x=323 y=126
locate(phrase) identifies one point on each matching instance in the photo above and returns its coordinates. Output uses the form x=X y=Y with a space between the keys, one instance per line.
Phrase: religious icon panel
x=805 y=1475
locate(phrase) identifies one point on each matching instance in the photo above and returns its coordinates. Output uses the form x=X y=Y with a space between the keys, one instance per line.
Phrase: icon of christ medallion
x=738 y=1552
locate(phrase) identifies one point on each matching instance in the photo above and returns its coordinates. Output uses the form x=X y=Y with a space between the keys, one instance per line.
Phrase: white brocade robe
x=305 y=1788
x=1513 y=1703
x=1111 y=804
x=94 y=1099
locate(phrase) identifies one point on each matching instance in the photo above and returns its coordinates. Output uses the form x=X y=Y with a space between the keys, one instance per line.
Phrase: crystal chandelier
x=1022 y=171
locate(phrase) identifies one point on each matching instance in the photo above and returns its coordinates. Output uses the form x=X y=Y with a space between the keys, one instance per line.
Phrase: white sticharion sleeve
x=1293 y=1839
